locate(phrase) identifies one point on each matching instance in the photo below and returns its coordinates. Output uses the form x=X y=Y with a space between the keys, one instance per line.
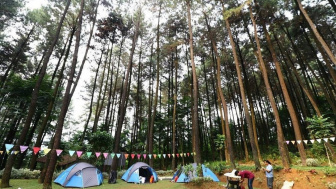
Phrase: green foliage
x=320 y=127
x=277 y=168
x=187 y=169
x=312 y=162
x=199 y=170
x=23 y=174
x=198 y=181
x=317 y=150
x=329 y=171
x=235 y=11
x=220 y=142
x=165 y=173
x=217 y=167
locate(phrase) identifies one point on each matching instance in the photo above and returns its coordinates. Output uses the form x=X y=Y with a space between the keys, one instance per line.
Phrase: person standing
x=246 y=174
x=269 y=174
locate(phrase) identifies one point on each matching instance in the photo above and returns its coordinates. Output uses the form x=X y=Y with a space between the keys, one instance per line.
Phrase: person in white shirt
x=269 y=173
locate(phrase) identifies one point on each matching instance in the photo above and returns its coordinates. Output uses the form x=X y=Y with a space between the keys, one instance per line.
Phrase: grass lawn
x=33 y=184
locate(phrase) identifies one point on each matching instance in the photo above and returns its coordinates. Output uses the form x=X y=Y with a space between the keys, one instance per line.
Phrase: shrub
x=331 y=185
x=23 y=174
x=330 y=172
x=277 y=168
x=198 y=181
x=217 y=167
x=311 y=162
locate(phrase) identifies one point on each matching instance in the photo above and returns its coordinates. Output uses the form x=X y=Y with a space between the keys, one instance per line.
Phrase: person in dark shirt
x=246 y=174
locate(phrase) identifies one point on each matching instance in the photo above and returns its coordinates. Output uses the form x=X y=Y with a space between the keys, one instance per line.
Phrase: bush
x=330 y=172
x=165 y=173
x=277 y=168
x=198 y=181
x=217 y=167
x=23 y=174
x=331 y=185
x=311 y=162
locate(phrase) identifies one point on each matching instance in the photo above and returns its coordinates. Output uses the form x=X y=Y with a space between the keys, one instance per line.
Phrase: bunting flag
x=112 y=155
x=318 y=140
x=71 y=152
x=144 y=155
x=154 y=156
x=164 y=155
x=79 y=153
x=126 y=156
x=325 y=139
x=9 y=146
x=132 y=155
x=150 y=156
x=118 y=155
x=58 y=152
x=138 y=156
x=185 y=155
x=177 y=155
x=88 y=154
x=23 y=148
x=299 y=141
x=333 y=139
x=173 y=155
x=305 y=141
x=97 y=154
x=293 y=141
x=312 y=141
x=169 y=155
x=105 y=154
x=16 y=152
x=36 y=150
x=1 y=152
x=46 y=151
x=188 y=154
x=287 y=141
x=8 y=152
x=159 y=155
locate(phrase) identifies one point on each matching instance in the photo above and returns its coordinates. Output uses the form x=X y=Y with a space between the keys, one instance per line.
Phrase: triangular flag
x=154 y=156
x=1 y=152
x=79 y=153
x=185 y=155
x=312 y=141
x=88 y=154
x=192 y=153
x=9 y=146
x=150 y=156
x=8 y=151
x=173 y=155
x=159 y=155
x=318 y=140
x=105 y=155
x=287 y=141
x=132 y=155
x=293 y=141
x=118 y=155
x=177 y=155
x=169 y=155
x=188 y=154
x=305 y=141
x=333 y=139
x=299 y=141
x=144 y=155
x=98 y=154
x=16 y=152
x=164 y=155
x=71 y=152
x=58 y=152
x=36 y=150
x=126 y=156
x=138 y=155
x=112 y=155
x=46 y=151
x=23 y=148
x=325 y=139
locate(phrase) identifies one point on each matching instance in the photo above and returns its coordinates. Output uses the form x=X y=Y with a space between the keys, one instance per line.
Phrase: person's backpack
x=113 y=177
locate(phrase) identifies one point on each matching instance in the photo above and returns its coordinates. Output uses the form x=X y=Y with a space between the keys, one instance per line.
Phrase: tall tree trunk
x=280 y=136
x=33 y=104
x=195 y=126
x=65 y=105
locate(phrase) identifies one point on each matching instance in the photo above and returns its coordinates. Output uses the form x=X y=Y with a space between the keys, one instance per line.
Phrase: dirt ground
x=302 y=180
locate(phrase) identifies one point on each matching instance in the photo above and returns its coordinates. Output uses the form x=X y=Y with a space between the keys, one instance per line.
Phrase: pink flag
x=287 y=141
x=177 y=155
x=98 y=154
x=105 y=154
x=138 y=155
x=145 y=155
x=23 y=148
x=36 y=150
x=132 y=155
x=79 y=153
x=58 y=152
x=169 y=155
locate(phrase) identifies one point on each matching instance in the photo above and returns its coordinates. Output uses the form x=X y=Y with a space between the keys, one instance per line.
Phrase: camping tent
x=80 y=175
x=140 y=173
x=182 y=175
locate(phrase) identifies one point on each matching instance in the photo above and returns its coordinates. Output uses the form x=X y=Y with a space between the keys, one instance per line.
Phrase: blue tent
x=182 y=177
x=80 y=175
x=138 y=172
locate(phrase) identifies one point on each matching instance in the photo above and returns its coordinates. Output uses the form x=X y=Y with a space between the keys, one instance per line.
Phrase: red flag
x=132 y=156
x=36 y=150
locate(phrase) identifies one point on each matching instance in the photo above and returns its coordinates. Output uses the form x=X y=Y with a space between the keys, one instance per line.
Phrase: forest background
x=225 y=80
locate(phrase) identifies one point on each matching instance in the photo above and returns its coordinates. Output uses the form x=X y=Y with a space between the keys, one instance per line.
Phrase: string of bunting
x=79 y=154
x=311 y=141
